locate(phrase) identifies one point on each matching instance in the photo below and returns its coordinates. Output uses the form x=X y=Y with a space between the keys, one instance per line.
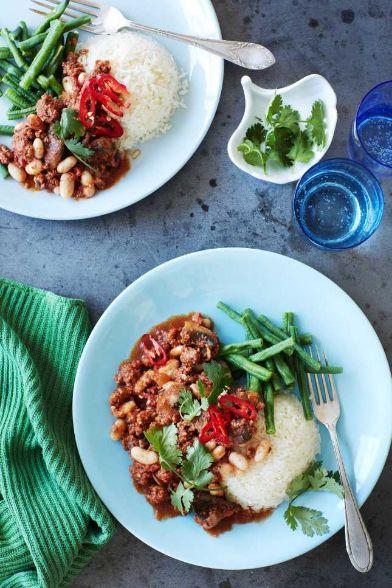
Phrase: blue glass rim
x=333 y=161
x=356 y=119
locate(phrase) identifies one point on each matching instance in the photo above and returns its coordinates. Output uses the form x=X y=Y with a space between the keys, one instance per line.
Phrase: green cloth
x=51 y=520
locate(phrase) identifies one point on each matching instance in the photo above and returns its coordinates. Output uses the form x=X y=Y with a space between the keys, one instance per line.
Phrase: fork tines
x=325 y=393
x=75 y=9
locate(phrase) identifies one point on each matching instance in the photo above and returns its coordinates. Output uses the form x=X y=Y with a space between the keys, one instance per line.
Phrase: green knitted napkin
x=51 y=520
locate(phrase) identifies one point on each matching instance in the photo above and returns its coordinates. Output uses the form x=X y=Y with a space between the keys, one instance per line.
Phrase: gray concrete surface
x=212 y=204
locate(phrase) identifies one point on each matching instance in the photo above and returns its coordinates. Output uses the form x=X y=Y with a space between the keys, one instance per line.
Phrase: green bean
x=71 y=43
x=240 y=347
x=3 y=171
x=15 y=51
x=271 y=327
x=5 y=53
x=269 y=409
x=15 y=71
x=249 y=366
x=76 y=23
x=39 y=60
x=43 y=81
x=7 y=130
x=54 y=15
x=16 y=33
x=54 y=84
x=288 y=321
x=285 y=371
x=53 y=64
x=14 y=114
x=276 y=381
x=25 y=30
x=301 y=379
x=16 y=99
x=305 y=339
x=1 y=93
x=265 y=333
x=13 y=82
x=32 y=42
x=273 y=350
x=230 y=312
x=325 y=369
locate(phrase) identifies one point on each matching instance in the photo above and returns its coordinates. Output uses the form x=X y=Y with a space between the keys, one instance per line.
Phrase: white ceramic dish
x=300 y=96
x=162 y=157
x=237 y=276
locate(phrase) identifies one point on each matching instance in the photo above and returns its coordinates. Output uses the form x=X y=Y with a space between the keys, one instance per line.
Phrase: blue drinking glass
x=370 y=141
x=338 y=204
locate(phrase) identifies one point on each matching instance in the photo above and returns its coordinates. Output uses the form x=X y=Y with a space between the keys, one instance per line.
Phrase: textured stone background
x=212 y=204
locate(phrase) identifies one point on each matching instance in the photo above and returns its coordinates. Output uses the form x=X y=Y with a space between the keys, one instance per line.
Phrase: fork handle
x=358 y=543
x=248 y=55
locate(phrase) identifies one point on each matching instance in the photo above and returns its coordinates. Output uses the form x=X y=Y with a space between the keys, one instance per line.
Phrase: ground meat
x=143 y=474
x=101 y=67
x=6 y=155
x=48 y=180
x=106 y=154
x=22 y=144
x=72 y=66
x=187 y=433
x=166 y=477
x=241 y=431
x=54 y=150
x=156 y=494
x=211 y=510
x=128 y=372
x=49 y=108
x=190 y=356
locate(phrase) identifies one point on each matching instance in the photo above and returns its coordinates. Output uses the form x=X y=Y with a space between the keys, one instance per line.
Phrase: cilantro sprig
x=311 y=521
x=283 y=137
x=190 y=407
x=220 y=377
x=192 y=471
x=71 y=130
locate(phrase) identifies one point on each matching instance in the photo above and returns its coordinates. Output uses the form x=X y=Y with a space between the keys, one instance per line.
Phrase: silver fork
x=326 y=407
x=108 y=19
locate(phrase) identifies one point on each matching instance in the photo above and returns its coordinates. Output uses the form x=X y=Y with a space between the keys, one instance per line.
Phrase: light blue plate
x=162 y=157
x=271 y=284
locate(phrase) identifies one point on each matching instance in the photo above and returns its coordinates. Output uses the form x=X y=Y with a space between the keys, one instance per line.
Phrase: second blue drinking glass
x=370 y=141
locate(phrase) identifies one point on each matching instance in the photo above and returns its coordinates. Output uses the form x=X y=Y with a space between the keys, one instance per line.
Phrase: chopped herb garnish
x=280 y=137
x=164 y=441
x=189 y=406
x=315 y=478
x=70 y=130
x=220 y=377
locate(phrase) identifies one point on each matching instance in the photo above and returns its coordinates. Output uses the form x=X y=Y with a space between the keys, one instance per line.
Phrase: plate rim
x=181 y=164
x=318 y=540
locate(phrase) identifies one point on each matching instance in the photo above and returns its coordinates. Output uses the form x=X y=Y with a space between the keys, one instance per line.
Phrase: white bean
x=210 y=445
x=89 y=191
x=262 y=450
x=215 y=489
x=16 y=172
x=170 y=367
x=39 y=148
x=56 y=190
x=124 y=409
x=118 y=429
x=34 y=167
x=176 y=351
x=82 y=78
x=143 y=456
x=218 y=452
x=67 y=185
x=68 y=84
x=67 y=164
x=238 y=461
x=86 y=178
x=34 y=121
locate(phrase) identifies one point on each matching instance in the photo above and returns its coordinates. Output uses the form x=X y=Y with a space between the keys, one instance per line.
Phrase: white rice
x=293 y=447
x=152 y=77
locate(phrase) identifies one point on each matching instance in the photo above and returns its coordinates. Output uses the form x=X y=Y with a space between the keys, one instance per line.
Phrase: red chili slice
x=87 y=108
x=219 y=422
x=153 y=350
x=238 y=406
x=207 y=432
x=106 y=126
x=110 y=93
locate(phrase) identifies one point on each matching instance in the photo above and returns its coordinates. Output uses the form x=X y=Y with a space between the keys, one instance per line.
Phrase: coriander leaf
x=254 y=157
x=301 y=149
x=220 y=378
x=280 y=141
x=274 y=108
x=256 y=133
x=190 y=407
x=312 y=521
x=325 y=481
x=78 y=149
x=201 y=388
x=288 y=118
x=301 y=483
x=182 y=498
x=164 y=441
x=70 y=124
x=198 y=460
x=315 y=124
x=245 y=146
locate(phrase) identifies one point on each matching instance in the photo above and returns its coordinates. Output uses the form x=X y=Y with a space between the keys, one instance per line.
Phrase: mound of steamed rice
x=151 y=75
x=294 y=445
